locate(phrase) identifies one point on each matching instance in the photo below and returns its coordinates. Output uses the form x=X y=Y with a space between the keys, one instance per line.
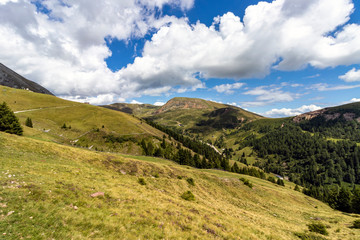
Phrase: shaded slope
x=9 y=78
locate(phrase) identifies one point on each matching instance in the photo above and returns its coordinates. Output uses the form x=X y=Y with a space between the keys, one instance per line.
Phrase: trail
x=36 y=109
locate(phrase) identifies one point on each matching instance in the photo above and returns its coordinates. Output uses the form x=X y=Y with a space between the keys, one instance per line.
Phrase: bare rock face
x=308 y=116
x=9 y=78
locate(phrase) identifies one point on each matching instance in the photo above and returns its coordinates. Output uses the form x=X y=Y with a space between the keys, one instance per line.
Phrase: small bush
x=297 y=188
x=191 y=181
x=156 y=175
x=188 y=196
x=309 y=236
x=179 y=177
x=318 y=228
x=356 y=224
x=246 y=182
x=28 y=122
x=142 y=181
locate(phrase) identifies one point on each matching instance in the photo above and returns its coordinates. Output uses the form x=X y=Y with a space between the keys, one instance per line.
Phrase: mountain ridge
x=10 y=78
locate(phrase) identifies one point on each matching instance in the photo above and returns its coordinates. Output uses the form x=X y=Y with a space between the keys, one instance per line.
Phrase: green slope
x=46 y=190
x=192 y=115
x=89 y=124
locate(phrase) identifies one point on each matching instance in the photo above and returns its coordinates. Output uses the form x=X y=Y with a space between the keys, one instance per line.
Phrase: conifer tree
x=28 y=122
x=8 y=121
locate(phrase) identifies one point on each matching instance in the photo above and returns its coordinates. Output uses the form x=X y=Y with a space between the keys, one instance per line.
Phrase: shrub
x=142 y=181
x=191 y=181
x=188 y=196
x=318 y=228
x=309 y=236
x=28 y=122
x=356 y=224
x=246 y=182
x=297 y=188
x=179 y=177
x=156 y=175
x=9 y=123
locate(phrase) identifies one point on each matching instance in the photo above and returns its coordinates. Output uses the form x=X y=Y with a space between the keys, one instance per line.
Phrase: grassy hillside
x=192 y=115
x=87 y=125
x=46 y=194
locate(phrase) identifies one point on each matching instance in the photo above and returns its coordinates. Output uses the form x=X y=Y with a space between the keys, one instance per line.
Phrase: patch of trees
x=337 y=128
x=183 y=156
x=9 y=123
x=308 y=160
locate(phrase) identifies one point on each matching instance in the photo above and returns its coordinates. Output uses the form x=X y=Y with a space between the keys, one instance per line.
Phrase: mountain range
x=215 y=171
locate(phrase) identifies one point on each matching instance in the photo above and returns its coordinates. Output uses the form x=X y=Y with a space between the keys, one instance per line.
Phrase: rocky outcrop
x=9 y=78
x=308 y=116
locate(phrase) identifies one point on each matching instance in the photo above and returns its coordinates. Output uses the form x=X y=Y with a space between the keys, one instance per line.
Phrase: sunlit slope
x=46 y=190
x=86 y=125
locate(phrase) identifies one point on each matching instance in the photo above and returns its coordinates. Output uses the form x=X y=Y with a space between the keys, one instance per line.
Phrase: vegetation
x=9 y=123
x=188 y=196
x=318 y=228
x=356 y=224
x=313 y=162
x=28 y=122
x=50 y=186
x=246 y=182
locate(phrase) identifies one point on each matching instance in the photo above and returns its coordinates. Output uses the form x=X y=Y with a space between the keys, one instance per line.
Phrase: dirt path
x=36 y=109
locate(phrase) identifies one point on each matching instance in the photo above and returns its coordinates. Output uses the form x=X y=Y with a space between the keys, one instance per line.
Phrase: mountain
x=347 y=112
x=9 y=78
x=341 y=122
x=193 y=115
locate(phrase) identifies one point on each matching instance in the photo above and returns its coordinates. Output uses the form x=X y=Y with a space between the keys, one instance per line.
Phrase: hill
x=193 y=116
x=9 y=78
x=78 y=124
x=341 y=122
x=52 y=191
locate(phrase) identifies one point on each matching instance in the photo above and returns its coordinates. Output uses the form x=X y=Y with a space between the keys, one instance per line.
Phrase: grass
x=46 y=188
x=89 y=124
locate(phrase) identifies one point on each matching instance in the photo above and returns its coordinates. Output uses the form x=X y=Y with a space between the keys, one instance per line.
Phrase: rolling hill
x=77 y=124
x=192 y=115
x=52 y=191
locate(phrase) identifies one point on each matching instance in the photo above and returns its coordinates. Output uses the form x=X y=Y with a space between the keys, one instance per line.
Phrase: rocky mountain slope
x=9 y=78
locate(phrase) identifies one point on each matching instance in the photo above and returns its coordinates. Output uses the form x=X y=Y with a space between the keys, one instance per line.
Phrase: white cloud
x=287 y=112
x=325 y=87
x=266 y=96
x=65 y=49
x=351 y=76
x=159 y=103
x=228 y=88
x=135 y=102
x=101 y=99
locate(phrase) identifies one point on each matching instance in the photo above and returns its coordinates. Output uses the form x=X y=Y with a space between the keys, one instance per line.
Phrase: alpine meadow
x=180 y=119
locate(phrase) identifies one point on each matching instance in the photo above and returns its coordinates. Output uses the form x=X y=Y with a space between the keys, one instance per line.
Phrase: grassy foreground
x=46 y=193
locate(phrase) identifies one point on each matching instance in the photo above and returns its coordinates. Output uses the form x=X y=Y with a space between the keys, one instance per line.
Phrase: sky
x=275 y=58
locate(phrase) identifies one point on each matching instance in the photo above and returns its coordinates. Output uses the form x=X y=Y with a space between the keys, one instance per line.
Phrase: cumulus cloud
x=135 y=102
x=228 y=88
x=101 y=99
x=64 y=48
x=287 y=112
x=351 y=76
x=159 y=103
x=265 y=96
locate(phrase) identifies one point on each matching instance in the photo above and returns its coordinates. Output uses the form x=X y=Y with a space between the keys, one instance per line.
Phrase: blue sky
x=276 y=58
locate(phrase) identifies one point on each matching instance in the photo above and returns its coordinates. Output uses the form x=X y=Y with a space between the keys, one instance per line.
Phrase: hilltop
x=9 y=78
x=192 y=115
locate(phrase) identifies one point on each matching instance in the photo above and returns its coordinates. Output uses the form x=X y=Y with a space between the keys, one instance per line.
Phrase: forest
x=329 y=170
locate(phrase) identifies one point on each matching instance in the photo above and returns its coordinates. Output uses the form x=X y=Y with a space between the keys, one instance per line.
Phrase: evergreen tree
x=9 y=123
x=28 y=122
